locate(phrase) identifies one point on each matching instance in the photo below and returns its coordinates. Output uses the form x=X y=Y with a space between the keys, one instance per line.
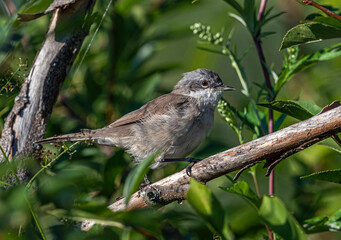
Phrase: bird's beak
x=224 y=88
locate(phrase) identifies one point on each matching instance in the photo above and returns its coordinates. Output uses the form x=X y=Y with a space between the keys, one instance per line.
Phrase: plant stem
x=50 y=164
x=256 y=184
x=242 y=79
x=35 y=219
x=261 y=10
x=323 y=9
x=261 y=56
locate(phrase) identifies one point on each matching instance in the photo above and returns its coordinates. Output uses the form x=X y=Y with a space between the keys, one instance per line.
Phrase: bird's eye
x=204 y=83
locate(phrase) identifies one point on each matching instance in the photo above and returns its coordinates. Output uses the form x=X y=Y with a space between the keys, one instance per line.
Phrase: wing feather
x=160 y=105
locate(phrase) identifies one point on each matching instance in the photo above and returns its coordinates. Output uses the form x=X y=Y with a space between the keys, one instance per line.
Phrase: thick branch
x=27 y=121
x=273 y=146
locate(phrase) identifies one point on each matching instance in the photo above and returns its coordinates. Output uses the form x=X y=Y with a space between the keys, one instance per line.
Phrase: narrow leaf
x=328 y=175
x=136 y=176
x=235 y=5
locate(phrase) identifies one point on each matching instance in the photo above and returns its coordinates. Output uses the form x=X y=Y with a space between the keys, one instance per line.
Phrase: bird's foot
x=191 y=161
x=146 y=183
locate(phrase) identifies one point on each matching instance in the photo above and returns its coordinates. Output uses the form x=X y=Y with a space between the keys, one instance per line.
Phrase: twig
x=66 y=148
x=323 y=9
x=271 y=163
x=243 y=169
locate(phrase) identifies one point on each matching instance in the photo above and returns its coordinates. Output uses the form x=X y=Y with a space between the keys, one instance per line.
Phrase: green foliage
x=298 y=109
x=243 y=189
x=328 y=175
x=135 y=177
x=208 y=207
x=279 y=219
x=320 y=28
x=294 y=64
x=322 y=224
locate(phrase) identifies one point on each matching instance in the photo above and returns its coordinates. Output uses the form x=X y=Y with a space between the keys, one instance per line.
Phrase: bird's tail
x=85 y=134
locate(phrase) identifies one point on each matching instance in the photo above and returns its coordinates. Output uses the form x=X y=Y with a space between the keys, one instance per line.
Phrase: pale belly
x=173 y=137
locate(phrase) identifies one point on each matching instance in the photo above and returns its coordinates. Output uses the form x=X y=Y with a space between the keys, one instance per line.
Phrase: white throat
x=205 y=97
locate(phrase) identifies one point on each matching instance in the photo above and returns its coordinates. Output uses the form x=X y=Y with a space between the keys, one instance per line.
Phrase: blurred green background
x=139 y=52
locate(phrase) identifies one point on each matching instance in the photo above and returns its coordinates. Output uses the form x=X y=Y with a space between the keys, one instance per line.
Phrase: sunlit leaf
x=309 y=32
x=323 y=223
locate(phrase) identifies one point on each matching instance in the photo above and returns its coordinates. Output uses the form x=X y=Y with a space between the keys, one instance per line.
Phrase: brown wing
x=159 y=106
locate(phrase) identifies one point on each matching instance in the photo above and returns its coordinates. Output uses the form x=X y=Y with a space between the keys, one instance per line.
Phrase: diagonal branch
x=273 y=146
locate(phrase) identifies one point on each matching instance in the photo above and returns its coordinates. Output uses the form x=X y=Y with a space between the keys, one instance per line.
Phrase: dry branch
x=27 y=121
x=277 y=145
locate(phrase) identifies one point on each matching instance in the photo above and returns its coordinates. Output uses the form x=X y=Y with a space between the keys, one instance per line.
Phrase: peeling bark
x=27 y=121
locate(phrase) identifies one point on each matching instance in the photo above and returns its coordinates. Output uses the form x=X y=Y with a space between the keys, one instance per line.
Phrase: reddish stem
x=323 y=9
x=270 y=96
x=261 y=10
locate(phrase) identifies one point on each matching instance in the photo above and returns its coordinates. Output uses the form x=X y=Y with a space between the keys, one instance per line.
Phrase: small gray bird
x=174 y=123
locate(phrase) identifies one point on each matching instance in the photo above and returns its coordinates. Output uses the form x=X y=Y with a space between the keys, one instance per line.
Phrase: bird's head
x=203 y=85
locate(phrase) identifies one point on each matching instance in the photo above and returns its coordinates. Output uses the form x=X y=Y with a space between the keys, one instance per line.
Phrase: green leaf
x=266 y=18
x=235 y=5
x=250 y=15
x=209 y=209
x=323 y=223
x=298 y=109
x=136 y=176
x=309 y=32
x=328 y=21
x=279 y=219
x=328 y=175
x=243 y=189
x=329 y=143
x=279 y=121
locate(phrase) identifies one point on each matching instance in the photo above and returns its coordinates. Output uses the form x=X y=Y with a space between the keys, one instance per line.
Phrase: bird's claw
x=146 y=183
x=189 y=168
x=190 y=165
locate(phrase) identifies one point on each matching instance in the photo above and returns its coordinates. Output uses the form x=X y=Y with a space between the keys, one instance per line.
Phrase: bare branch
x=27 y=121
x=273 y=146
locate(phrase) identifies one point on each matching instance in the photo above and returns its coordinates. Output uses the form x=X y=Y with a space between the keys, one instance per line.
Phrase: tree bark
x=277 y=145
x=26 y=123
